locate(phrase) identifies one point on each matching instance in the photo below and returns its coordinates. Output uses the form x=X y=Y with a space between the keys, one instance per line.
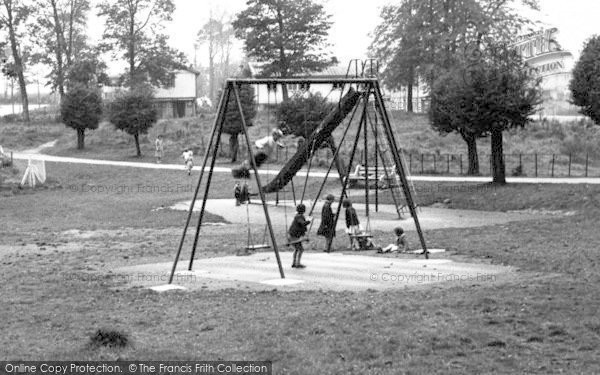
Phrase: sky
x=355 y=20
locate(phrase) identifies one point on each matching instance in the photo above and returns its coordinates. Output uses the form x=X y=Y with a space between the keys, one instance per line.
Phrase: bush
x=301 y=114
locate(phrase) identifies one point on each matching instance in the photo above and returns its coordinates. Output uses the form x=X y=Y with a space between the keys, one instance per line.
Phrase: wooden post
x=521 y=163
x=434 y=164
x=410 y=162
x=553 y=157
x=461 y=164
x=448 y=162
x=570 y=159
x=536 y=167
x=422 y=163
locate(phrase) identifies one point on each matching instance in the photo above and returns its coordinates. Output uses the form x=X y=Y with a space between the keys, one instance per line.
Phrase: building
x=553 y=65
x=177 y=101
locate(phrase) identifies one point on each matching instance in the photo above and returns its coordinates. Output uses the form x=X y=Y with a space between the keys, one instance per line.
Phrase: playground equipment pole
x=220 y=118
x=399 y=166
x=230 y=86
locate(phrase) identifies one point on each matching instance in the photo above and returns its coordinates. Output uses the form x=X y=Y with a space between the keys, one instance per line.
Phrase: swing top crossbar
x=300 y=80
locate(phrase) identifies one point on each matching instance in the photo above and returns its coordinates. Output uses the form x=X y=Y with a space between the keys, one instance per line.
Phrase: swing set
x=361 y=96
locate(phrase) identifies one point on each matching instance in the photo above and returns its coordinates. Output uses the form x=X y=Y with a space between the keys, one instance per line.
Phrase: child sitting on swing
x=400 y=245
x=355 y=231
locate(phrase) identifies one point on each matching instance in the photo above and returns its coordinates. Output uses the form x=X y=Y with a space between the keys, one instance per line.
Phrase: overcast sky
x=354 y=20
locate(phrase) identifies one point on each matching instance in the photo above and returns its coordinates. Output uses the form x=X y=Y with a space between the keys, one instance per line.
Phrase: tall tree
x=134 y=31
x=288 y=37
x=486 y=99
x=585 y=84
x=13 y=14
x=425 y=37
x=429 y=38
x=60 y=29
x=217 y=35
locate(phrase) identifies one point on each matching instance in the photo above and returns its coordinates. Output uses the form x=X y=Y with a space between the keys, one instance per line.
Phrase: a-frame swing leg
x=335 y=159
x=399 y=166
x=346 y=179
x=235 y=89
x=217 y=124
x=208 y=181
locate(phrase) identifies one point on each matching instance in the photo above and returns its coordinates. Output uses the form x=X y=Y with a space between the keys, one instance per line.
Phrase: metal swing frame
x=369 y=86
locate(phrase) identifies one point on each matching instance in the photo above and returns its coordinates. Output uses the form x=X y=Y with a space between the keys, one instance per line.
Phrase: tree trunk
x=234 y=146
x=60 y=74
x=409 y=98
x=409 y=91
x=498 y=170
x=17 y=59
x=471 y=141
x=80 y=139
x=136 y=136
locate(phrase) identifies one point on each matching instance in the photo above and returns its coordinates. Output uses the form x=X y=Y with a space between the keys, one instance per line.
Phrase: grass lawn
x=57 y=290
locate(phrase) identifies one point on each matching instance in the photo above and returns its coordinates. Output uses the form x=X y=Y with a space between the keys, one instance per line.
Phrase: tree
x=303 y=113
x=133 y=113
x=81 y=105
x=233 y=121
x=585 y=84
x=488 y=98
x=425 y=37
x=133 y=31
x=81 y=109
x=217 y=35
x=60 y=29
x=289 y=37
x=12 y=15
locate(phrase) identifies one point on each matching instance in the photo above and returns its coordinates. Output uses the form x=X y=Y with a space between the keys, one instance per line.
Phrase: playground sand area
x=337 y=271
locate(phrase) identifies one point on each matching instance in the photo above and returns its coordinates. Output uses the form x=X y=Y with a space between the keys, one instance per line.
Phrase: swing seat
x=300 y=240
x=361 y=235
x=258 y=247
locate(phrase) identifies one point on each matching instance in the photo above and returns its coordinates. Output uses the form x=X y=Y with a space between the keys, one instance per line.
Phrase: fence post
x=521 y=164
x=434 y=163
x=536 y=172
x=461 y=164
x=410 y=163
x=587 y=158
x=570 y=158
x=448 y=162
x=553 y=156
x=422 y=163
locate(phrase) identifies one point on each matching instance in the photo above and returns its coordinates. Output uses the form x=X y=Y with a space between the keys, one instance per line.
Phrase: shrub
x=81 y=109
x=133 y=113
x=301 y=114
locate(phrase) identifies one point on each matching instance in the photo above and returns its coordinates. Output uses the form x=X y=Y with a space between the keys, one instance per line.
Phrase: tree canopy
x=134 y=31
x=485 y=99
x=289 y=37
x=133 y=113
x=585 y=84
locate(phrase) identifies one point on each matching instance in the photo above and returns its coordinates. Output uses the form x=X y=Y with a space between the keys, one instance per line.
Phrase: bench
x=383 y=177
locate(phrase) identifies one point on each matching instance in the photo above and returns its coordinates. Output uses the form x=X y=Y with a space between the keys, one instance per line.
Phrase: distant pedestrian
x=159 y=148
x=296 y=232
x=188 y=159
x=327 y=226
